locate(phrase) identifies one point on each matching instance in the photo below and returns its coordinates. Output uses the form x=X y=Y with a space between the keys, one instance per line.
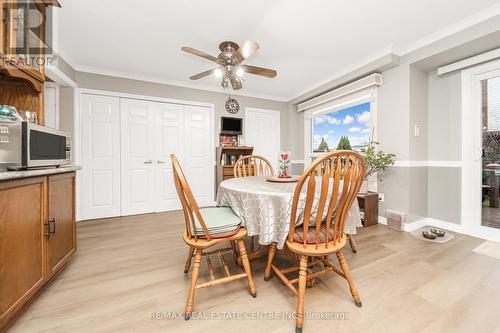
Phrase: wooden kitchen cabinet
x=22 y=244
x=37 y=237
x=61 y=220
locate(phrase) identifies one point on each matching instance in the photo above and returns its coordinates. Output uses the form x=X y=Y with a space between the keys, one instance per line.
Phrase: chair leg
x=348 y=277
x=270 y=258
x=246 y=267
x=188 y=260
x=235 y=252
x=302 y=289
x=352 y=244
x=194 y=279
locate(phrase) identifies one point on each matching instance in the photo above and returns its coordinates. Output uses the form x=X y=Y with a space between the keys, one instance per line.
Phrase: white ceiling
x=305 y=41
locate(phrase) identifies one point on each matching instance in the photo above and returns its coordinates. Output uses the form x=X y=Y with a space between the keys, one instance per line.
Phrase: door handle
x=47 y=233
x=148 y=162
x=160 y=162
x=53 y=222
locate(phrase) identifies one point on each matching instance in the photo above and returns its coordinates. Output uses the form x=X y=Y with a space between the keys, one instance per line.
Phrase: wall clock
x=232 y=106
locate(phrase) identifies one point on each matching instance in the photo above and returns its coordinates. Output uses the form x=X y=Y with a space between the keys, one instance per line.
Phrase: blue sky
x=353 y=122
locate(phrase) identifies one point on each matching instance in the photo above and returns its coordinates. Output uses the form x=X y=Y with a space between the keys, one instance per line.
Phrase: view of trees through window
x=348 y=128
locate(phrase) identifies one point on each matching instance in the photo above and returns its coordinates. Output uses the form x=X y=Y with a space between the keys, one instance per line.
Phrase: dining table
x=264 y=207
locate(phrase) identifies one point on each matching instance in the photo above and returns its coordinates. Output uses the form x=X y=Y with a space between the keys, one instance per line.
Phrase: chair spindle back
x=189 y=204
x=252 y=165
x=332 y=183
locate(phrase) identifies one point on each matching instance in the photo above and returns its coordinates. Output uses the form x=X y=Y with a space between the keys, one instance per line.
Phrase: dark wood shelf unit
x=368 y=204
x=223 y=172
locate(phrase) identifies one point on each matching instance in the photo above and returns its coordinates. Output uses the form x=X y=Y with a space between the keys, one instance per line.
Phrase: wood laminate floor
x=128 y=269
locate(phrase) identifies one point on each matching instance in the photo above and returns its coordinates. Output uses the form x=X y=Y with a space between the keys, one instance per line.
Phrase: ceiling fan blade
x=247 y=49
x=199 y=53
x=259 y=71
x=202 y=74
x=235 y=82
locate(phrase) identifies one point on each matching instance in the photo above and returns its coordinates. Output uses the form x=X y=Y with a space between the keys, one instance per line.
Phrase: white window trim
x=364 y=96
x=355 y=98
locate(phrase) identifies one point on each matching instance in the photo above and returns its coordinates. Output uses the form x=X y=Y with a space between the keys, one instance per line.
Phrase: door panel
x=198 y=164
x=137 y=157
x=100 y=156
x=62 y=240
x=262 y=131
x=170 y=140
x=22 y=246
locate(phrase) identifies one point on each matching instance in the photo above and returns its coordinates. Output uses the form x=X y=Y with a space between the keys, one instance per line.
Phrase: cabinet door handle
x=160 y=162
x=47 y=230
x=53 y=221
x=148 y=162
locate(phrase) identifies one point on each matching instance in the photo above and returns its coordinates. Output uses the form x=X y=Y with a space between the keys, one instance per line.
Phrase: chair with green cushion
x=206 y=228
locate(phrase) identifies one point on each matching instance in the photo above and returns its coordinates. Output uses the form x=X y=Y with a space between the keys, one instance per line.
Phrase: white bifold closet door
x=100 y=142
x=148 y=132
x=137 y=156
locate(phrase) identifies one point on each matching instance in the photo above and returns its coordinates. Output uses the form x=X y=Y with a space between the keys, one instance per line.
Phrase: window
x=347 y=113
x=347 y=128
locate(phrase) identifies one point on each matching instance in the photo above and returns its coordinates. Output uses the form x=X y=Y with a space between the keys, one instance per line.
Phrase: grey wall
x=127 y=86
x=444 y=194
x=444 y=144
x=66 y=113
x=445 y=119
x=411 y=95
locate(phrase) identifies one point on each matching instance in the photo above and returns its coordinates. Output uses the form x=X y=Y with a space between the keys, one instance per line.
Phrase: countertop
x=6 y=175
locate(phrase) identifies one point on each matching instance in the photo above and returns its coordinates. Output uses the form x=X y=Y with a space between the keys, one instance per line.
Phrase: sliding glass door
x=481 y=151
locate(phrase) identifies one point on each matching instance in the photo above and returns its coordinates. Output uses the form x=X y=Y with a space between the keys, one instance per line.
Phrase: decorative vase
x=364 y=187
x=284 y=161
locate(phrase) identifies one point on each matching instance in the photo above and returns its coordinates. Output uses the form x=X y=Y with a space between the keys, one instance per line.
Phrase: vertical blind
x=494 y=104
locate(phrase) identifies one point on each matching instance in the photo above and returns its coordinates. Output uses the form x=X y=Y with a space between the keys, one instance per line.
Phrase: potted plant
x=375 y=161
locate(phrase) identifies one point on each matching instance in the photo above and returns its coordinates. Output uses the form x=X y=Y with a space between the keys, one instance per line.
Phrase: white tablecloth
x=265 y=207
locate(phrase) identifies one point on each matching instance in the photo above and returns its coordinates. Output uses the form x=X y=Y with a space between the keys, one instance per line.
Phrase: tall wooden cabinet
x=22 y=53
x=37 y=237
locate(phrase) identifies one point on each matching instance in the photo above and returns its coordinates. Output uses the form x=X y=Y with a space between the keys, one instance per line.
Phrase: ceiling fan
x=230 y=67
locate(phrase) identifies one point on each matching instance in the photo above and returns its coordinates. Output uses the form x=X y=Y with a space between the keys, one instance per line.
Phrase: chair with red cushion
x=329 y=186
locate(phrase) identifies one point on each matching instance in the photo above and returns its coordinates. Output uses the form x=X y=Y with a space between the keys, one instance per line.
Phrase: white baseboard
x=454 y=227
x=412 y=226
x=382 y=220
x=445 y=225
x=408 y=227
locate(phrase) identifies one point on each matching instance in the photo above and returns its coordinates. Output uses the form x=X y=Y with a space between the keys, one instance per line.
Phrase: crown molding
x=397 y=50
x=452 y=29
x=182 y=84
x=386 y=51
x=403 y=50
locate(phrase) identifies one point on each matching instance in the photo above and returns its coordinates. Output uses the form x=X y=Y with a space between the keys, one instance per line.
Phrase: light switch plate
x=417 y=130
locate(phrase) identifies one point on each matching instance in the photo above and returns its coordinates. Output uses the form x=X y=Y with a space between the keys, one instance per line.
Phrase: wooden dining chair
x=352 y=244
x=333 y=194
x=252 y=165
x=205 y=228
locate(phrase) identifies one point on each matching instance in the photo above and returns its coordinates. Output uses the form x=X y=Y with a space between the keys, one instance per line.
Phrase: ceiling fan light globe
x=218 y=73
x=240 y=72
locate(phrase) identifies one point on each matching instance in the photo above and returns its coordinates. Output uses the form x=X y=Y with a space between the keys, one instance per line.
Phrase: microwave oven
x=25 y=145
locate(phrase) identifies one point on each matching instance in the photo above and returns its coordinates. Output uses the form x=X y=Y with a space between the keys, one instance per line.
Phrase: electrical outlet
x=381 y=197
